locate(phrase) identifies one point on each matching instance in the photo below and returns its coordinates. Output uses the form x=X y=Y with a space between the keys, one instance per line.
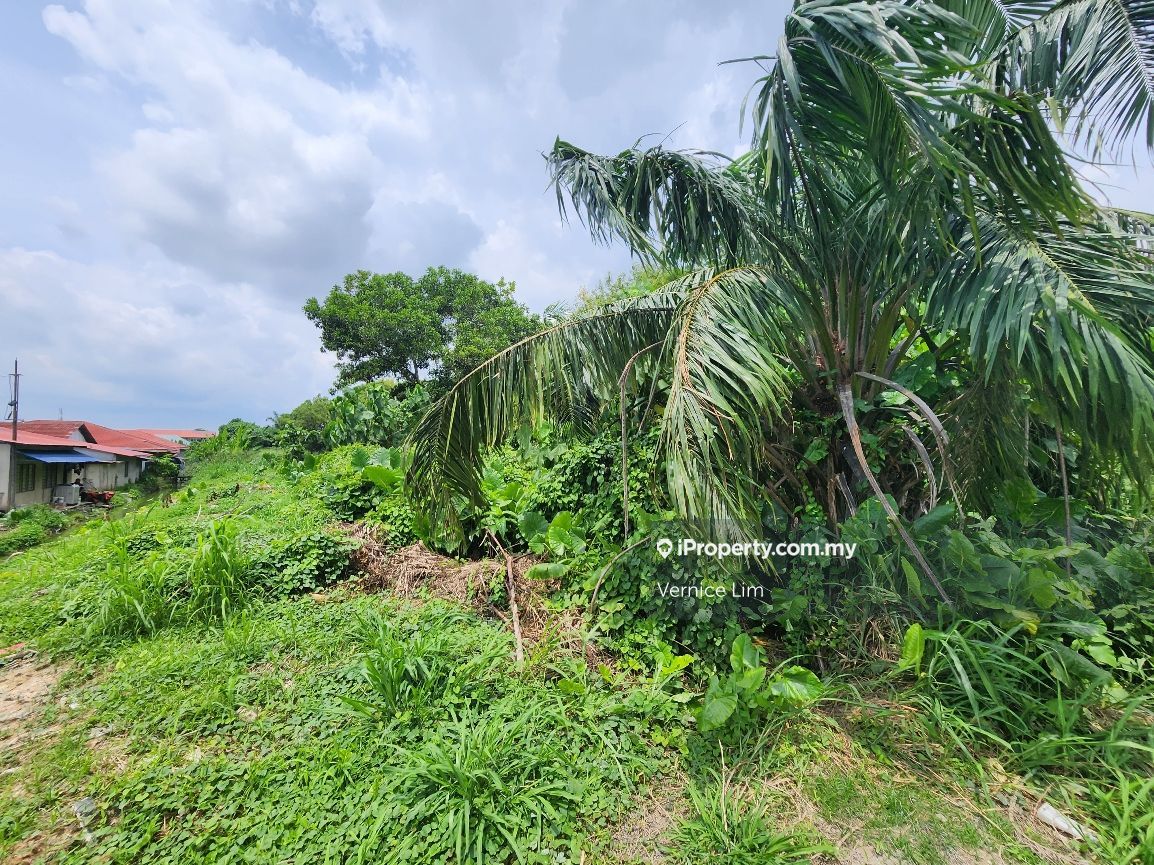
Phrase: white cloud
x=249 y=168
x=154 y=345
x=202 y=166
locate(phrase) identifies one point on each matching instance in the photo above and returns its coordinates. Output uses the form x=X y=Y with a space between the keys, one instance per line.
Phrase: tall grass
x=986 y=687
x=216 y=574
x=488 y=790
x=447 y=663
x=138 y=596
x=730 y=830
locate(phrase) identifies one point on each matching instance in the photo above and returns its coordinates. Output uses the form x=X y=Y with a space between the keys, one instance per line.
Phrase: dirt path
x=26 y=684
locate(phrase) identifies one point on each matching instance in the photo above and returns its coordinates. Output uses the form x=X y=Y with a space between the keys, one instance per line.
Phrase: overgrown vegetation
x=897 y=323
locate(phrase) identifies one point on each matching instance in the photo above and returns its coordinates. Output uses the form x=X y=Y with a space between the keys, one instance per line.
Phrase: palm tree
x=906 y=208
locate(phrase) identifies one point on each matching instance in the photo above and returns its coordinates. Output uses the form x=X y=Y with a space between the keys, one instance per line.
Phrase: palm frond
x=731 y=356
x=565 y=373
x=1071 y=311
x=1094 y=57
x=682 y=208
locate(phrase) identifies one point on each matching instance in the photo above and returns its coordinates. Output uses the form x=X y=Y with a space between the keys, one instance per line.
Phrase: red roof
x=94 y=433
x=140 y=441
x=25 y=437
x=52 y=427
x=35 y=439
x=191 y=434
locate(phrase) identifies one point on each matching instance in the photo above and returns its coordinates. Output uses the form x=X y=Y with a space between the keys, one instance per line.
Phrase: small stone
x=85 y=810
x=246 y=714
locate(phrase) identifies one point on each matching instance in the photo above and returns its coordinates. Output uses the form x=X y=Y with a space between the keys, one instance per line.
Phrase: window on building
x=54 y=475
x=25 y=477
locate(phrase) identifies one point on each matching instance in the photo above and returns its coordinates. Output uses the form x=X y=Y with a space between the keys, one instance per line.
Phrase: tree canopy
x=905 y=250
x=439 y=326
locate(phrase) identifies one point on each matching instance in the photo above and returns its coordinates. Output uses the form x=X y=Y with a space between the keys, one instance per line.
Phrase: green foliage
x=355 y=483
x=748 y=692
x=490 y=790
x=304 y=562
x=23 y=528
x=730 y=831
x=445 y=666
x=371 y=414
x=236 y=436
x=159 y=473
x=302 y=430
x=1125 y=828
x=217 y=578
x=445 y=323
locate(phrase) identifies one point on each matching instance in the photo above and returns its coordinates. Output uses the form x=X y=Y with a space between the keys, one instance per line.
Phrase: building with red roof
x=42 y=460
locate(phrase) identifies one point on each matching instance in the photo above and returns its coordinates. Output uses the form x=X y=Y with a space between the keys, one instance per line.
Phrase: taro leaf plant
x=907 y=213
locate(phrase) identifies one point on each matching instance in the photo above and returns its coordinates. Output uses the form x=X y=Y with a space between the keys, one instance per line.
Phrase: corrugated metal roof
x=24 y=437
x=71 y=455
x=102 y=435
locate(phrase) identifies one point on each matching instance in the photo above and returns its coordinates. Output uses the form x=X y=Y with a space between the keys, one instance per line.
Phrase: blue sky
x=179 y=176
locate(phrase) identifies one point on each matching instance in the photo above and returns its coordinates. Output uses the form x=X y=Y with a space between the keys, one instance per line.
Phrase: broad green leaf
x=384 y=477
x=547 y=571
x=532 y=525
x=796 y=686
x=913 y=649
x=715 y=711
x=744 y=655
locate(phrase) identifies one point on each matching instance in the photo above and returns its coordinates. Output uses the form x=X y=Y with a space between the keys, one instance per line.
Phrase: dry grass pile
x=417 y=572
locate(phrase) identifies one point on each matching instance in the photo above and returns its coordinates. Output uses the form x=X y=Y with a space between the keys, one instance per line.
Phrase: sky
x=178 y=177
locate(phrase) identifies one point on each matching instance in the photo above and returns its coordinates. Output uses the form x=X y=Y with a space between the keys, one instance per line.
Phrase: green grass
x=215 y=717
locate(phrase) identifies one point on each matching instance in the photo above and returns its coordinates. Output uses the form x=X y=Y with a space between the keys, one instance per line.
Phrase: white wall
x=5 y=459
x=38 y=495
x=110 y=476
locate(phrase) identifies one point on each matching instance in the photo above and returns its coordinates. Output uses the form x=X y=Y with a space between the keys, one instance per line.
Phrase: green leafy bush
x=369 y=414
x=159 y=473
x=750 y=691
x=24 y=528
x=301 y=563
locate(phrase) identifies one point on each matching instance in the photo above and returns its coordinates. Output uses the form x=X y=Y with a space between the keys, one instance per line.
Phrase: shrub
x=23 y=537
x=24 y=528
x=303 y=563
x=160 y=473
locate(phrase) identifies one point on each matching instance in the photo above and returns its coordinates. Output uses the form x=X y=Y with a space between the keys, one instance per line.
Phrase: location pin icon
x=665 y=547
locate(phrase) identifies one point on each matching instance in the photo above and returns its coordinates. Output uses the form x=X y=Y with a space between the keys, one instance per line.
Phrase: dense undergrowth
x=229 y=698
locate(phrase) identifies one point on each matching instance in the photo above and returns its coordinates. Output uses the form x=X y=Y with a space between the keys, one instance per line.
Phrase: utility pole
x=15 y=403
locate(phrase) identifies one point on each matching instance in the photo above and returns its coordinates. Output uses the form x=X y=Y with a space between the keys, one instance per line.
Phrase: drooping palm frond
x=683 y=208
x=861 y=84
x=732 y=359
x=1071 y=312
x=1095 y=58
x=565 y=373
